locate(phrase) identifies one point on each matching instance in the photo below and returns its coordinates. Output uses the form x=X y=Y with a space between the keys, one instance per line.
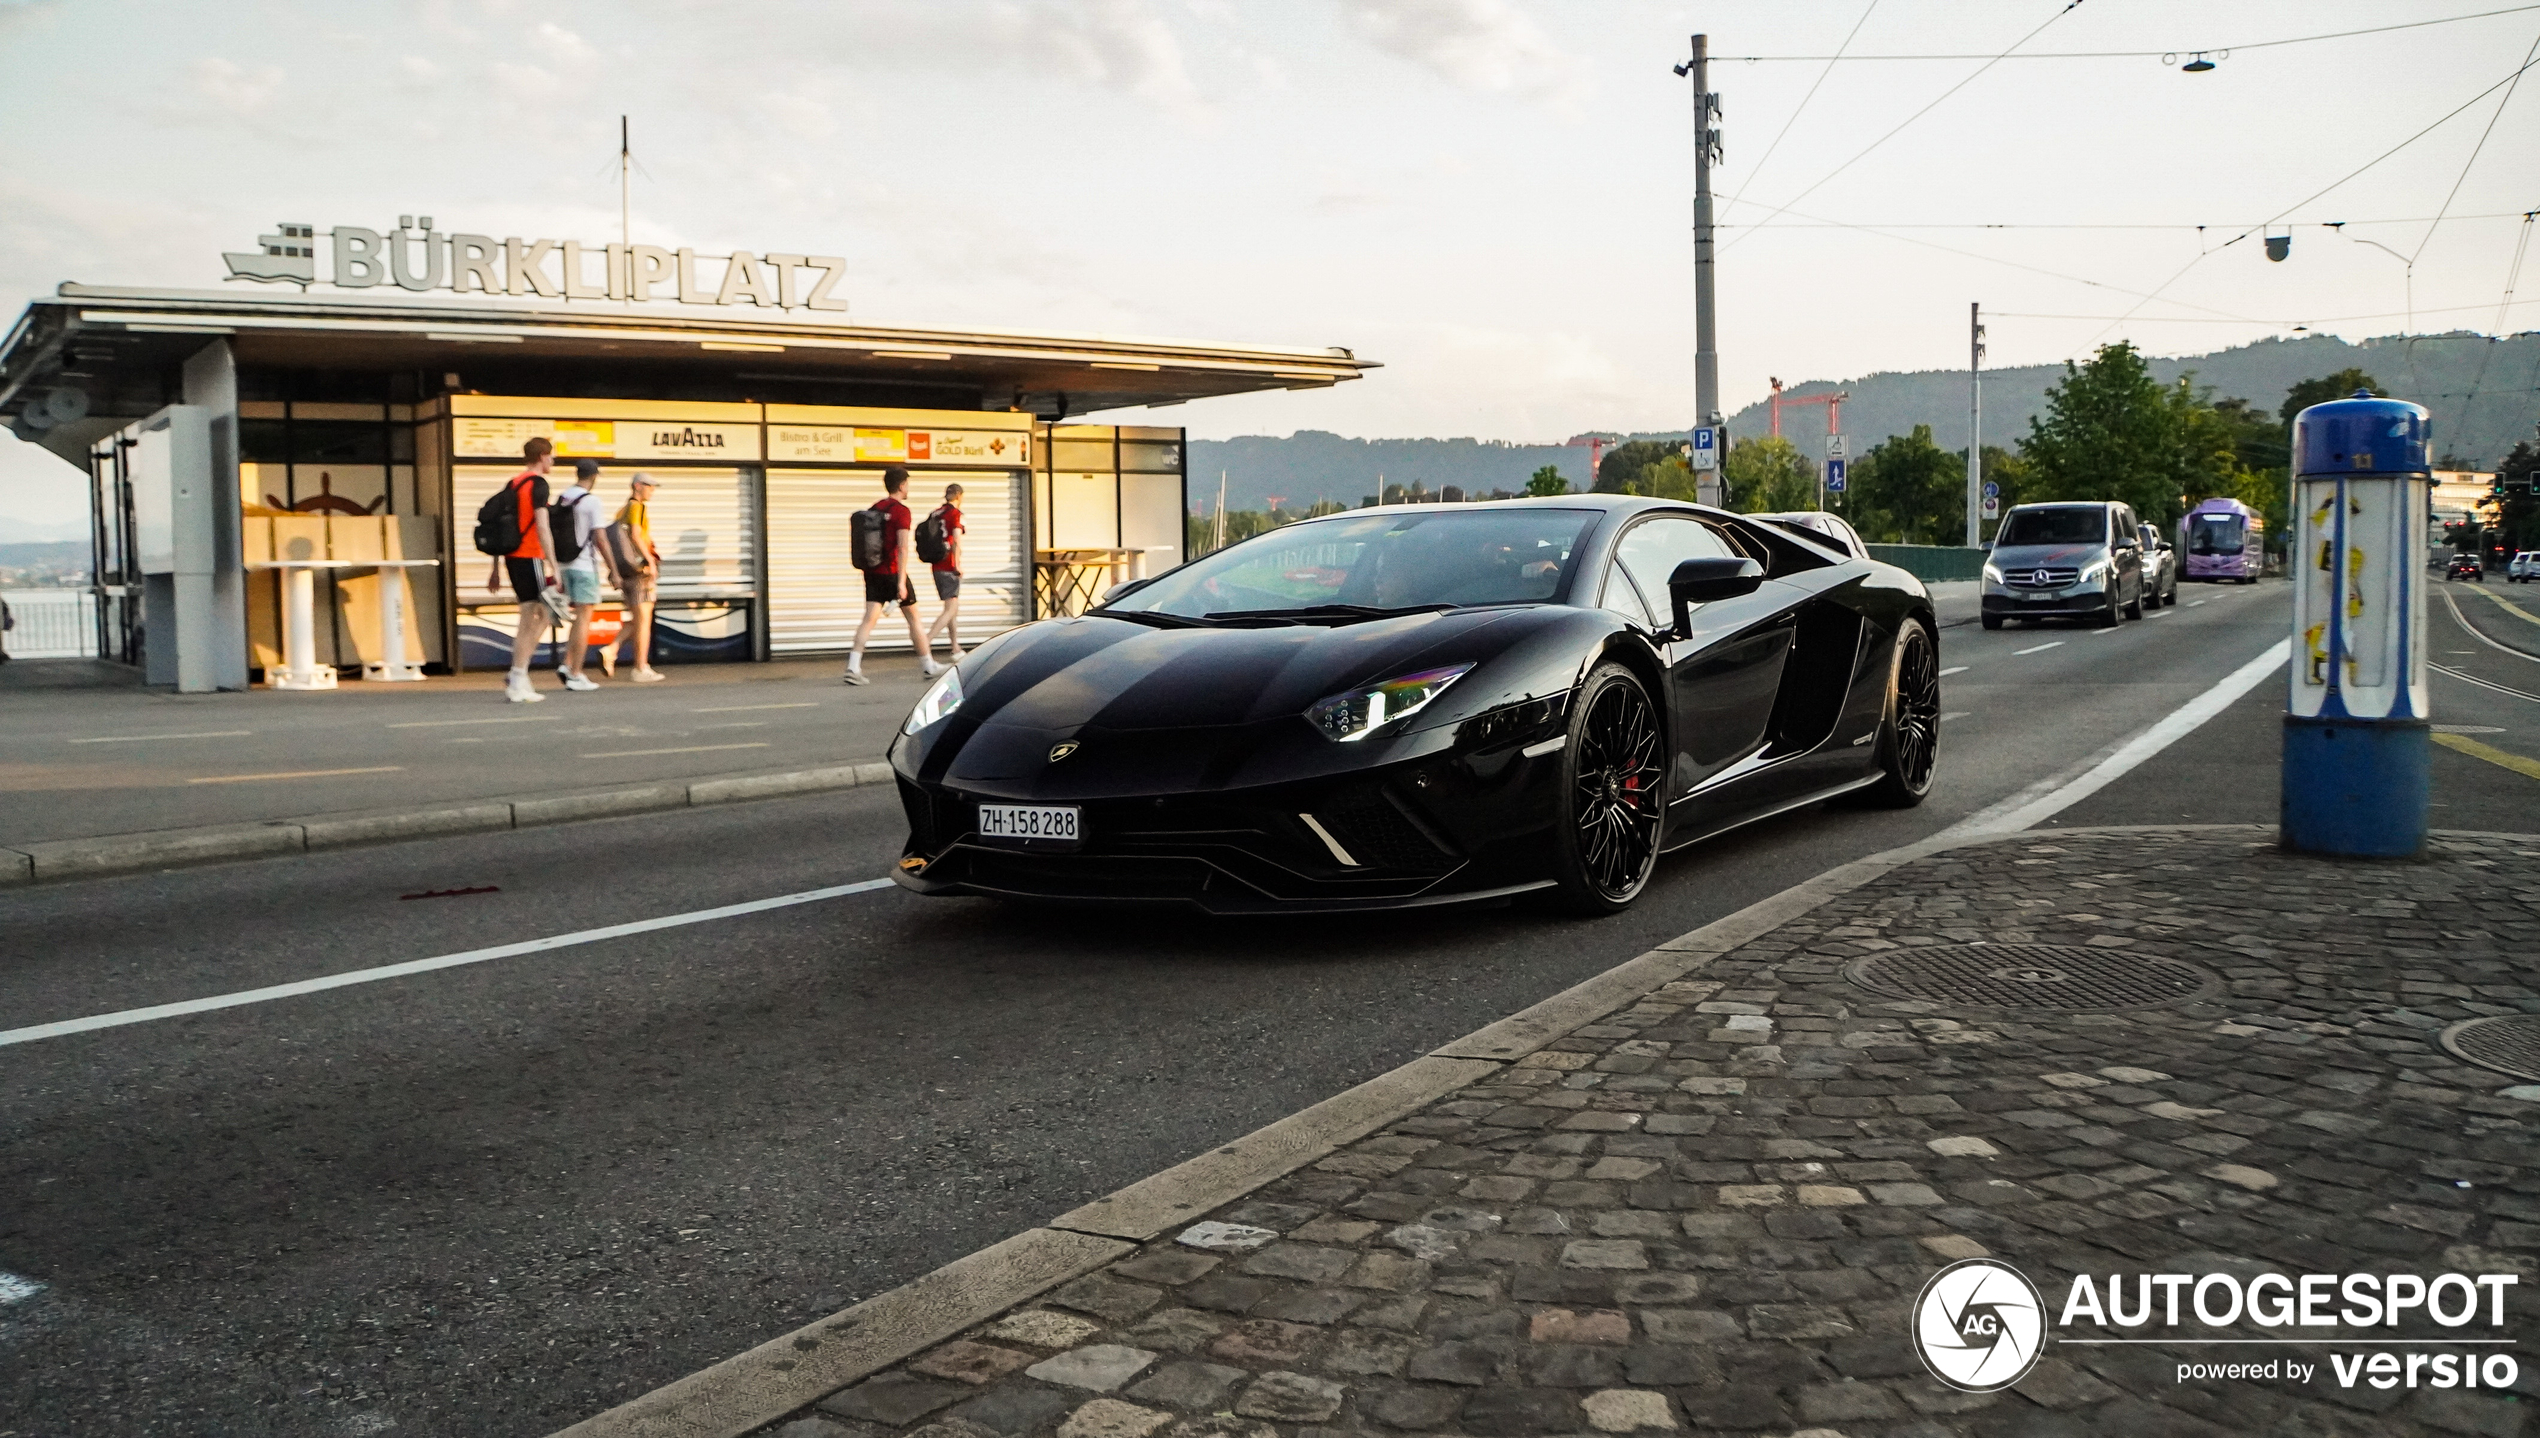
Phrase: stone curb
x=718 y=1403
x=45 y=862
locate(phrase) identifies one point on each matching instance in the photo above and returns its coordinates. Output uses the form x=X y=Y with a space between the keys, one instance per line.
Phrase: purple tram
x=2222 y=539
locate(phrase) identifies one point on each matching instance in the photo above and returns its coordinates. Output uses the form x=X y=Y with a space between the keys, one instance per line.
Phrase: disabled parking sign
x=1706 y=446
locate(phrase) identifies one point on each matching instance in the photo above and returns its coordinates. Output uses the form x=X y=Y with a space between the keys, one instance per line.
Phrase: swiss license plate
x=1040 y=825
x=2041 y=598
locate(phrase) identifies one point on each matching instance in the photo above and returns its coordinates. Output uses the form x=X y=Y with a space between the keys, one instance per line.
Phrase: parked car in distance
x=2160 y=568
x=2224 y=539
x=2467 y=567
x=1819 y=525
x=2072 y=560
x=2524 y=567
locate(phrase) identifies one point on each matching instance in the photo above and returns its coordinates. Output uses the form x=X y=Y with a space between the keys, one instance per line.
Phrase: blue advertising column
x=2356 y=740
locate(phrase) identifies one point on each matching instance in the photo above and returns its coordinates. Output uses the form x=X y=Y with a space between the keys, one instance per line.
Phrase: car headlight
x=940 y=700
x=1361 y=712
x=2095 y=569
x=1992 y=575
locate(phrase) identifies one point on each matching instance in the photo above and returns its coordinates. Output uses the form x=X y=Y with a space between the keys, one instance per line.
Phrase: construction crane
x=1596 y=444
x=1832 y=401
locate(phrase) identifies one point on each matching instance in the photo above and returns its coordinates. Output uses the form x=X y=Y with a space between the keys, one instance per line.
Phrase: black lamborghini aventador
x=1424 y=704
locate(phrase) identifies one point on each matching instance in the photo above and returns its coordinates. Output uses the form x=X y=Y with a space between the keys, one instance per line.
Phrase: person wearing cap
x=638 y=569
x=580 y=507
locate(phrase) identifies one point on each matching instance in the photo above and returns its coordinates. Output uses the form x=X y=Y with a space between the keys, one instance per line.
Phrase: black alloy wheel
x=1909 y=735
x=1614 y=773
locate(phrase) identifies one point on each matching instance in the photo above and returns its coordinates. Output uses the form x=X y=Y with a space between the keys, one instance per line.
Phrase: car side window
x=1651 y=550
x=1622 y=599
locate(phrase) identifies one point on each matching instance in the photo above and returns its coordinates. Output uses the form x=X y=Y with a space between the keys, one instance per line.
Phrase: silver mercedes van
x=2080 y=560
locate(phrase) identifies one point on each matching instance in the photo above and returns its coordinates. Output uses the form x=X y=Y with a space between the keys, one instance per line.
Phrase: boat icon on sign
x=288 y=257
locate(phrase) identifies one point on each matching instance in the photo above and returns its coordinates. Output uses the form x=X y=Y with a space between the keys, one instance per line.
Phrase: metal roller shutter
x=703 y=524
x=816 y=598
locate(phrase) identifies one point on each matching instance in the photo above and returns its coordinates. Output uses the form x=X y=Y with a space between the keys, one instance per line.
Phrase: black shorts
x=527 y=582
x=881 y=588
x=947 y=584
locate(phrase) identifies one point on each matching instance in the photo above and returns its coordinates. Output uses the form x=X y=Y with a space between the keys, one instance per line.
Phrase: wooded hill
x=2485 y=396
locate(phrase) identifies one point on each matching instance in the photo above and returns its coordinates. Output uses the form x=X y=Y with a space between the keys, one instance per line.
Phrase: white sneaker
x=579 y=683
x=645 y=676
x=856 y=676
x=930 y=668
x=516 y=689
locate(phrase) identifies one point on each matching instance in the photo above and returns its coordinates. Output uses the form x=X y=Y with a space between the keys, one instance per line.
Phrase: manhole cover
x=2509 y=1045
x=2031 y=976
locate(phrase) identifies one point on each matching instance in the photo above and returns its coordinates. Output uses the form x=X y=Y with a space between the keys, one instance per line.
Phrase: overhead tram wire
x=2203 y=255
x=1767 y=157
x=2013 y=264
x=2513 y=273
x=1971 y=78
x=2303 y=324
x=2454 y=193
x=2145 y=54
x=2095 y=225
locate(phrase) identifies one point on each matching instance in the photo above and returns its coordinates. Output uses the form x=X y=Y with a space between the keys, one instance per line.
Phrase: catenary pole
x=1975 y=424
x=1706 y=344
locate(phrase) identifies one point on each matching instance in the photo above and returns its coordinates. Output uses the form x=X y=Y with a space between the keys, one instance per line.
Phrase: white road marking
x=423 y=966
x=2474 y=633
x=2481 y=683
x=2194 y=602
x=740 y=708
x=453 y=723
x=1955 y=669
x=1954 y=714
x=689 y=749
x=2048 y=797
x=145 y=738
x=14 y=1289
x=297 y=774
x=2160 y=614
x=2104 y=633
x=2034 y=648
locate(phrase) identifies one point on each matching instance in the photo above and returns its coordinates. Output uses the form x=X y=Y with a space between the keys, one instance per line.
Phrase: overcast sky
x=1492 y=198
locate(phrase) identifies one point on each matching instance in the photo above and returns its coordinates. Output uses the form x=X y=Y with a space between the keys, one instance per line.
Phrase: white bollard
x=300 y=669
x=392 y=666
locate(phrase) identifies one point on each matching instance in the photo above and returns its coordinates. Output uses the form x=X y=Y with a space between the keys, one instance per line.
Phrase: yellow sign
x=840 y=445
x=667 y=439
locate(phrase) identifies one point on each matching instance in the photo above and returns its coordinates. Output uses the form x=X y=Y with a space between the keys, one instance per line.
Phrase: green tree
x=2341 y=385
x=1619 y=471
x=2520 y=518
x=2110 y=432
x=1548 y=480
x=1769 y=476
x=1908 y=490
x=1669 y=478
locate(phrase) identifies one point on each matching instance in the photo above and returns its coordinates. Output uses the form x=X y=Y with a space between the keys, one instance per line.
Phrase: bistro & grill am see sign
x=415 y=256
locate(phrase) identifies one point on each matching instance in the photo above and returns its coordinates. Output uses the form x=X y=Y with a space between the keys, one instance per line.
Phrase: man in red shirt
x=893 y=581
x=948 y=577
x=527 y=567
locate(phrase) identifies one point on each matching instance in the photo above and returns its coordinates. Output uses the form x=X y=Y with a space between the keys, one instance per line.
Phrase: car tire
x=1908 y=748
x=1613 y=795
x=2135 y=610
x=1992 y=621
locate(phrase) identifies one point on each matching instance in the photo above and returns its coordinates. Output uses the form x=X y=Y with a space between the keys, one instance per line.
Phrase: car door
x=2125 y=550
x=1721 y=677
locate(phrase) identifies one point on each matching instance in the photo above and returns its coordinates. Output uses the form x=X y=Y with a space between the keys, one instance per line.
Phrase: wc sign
x=417 y=257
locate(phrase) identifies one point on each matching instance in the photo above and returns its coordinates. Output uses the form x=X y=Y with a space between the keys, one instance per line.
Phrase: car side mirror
x=1700 y=581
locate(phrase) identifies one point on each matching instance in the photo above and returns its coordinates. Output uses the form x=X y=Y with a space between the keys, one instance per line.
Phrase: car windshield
x=1378 y=561
x=2054 y=526
x=2215 y=534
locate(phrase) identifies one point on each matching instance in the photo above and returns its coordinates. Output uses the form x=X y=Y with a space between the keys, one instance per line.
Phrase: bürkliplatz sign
x=415 y=256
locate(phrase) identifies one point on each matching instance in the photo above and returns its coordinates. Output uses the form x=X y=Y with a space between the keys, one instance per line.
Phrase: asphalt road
x=80 y=759
x=495 y=1199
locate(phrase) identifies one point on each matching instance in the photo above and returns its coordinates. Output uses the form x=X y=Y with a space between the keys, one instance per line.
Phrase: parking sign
x=1835 y=469
x=1706 y=447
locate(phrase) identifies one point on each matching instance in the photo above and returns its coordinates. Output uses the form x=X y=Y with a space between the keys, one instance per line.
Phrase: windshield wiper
x=1335 y=613
x=1152 y=617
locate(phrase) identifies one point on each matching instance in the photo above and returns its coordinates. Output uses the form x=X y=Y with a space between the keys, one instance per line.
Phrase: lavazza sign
x=415 y=256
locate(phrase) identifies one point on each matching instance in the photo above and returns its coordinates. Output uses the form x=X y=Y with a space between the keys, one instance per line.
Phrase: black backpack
x=561 y=531
x=869 y=538
x=498 y=520
x=934 y=538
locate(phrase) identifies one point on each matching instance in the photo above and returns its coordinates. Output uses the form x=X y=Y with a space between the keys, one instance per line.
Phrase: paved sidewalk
x=1713 y=1209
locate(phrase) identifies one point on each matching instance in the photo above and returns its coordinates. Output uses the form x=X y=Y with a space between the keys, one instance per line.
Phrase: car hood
x=2032 y=556
x=1148 y=710
x=1120 y=676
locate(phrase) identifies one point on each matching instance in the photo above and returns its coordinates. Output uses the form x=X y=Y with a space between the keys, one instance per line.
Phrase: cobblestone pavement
x=1713 y=1210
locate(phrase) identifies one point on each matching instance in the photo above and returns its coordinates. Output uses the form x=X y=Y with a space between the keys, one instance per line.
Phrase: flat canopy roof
x=121 y=349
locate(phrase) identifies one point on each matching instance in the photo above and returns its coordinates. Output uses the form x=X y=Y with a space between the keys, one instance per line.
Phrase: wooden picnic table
x=1069 y=581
